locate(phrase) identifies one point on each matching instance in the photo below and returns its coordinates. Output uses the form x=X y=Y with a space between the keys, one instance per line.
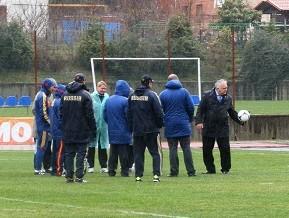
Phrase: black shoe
x=209 y=172
x=80 y=180
x=191 y=174
x=225 y=172
x=172 y=175
x=69 y=180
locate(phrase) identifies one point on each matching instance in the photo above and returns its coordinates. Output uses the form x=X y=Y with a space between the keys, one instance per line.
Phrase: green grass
x=255 y=107
x=264 y=107
x=256 y=187
x=16 y=112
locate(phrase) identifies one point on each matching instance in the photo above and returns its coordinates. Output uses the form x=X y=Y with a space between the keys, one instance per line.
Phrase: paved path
x=272 y=145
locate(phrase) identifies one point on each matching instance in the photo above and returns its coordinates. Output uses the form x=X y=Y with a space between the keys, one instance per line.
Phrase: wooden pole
x=103 y=70
x=233 y=66
x=169 y=71
x=35 y=63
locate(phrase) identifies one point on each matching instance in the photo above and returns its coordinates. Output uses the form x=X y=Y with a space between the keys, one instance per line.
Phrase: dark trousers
x=140 y=143
x=187 y=153
x=130 y=156
x=43 y=151
x=115 y=152
x=70 y=151
x=102 y=157
x=225 y=153
x=57 y=156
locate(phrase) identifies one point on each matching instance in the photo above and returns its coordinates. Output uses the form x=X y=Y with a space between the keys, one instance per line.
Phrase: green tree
x=265 y=63
x=235 y=13
x=183 y=44
x=15 y=48
x=90 y=45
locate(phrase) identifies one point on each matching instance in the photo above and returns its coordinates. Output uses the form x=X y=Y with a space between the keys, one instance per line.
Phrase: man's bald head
x=173 y=77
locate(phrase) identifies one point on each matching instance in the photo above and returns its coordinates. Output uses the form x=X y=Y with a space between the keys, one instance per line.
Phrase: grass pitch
x=257 y=186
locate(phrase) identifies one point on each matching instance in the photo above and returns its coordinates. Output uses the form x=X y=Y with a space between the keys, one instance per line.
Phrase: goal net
x=98 y=61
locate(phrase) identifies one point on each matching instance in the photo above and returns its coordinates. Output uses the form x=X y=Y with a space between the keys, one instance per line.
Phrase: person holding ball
x=212 y=121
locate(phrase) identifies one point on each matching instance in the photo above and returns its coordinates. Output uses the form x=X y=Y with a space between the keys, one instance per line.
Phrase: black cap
x=146 y=79
x=79 y=77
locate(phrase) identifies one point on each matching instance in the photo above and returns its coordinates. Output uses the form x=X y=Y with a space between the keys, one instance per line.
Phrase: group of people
x=77 y=122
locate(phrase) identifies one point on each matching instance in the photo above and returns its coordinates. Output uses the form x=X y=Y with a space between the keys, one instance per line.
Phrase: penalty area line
x=90 y=209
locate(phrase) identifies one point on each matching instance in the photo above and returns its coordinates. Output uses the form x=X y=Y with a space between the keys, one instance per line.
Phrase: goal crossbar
x=147 y=59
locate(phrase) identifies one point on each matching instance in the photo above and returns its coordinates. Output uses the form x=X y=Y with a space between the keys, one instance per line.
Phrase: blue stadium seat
x=11 y=101
x=24 y=101
x=2 y=101
x=195 y=99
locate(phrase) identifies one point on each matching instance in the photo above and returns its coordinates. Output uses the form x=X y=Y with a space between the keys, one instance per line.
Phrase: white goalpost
x=148 y=59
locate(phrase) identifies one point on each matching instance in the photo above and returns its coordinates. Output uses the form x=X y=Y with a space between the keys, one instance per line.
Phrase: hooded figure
x=115 y=114
x=78 y=126
x=57 y=143
x=42 y=105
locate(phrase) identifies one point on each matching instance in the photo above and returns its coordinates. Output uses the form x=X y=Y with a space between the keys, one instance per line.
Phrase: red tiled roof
x=282 y=5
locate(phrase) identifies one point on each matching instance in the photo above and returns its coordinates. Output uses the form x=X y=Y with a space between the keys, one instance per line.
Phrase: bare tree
x=33 y=16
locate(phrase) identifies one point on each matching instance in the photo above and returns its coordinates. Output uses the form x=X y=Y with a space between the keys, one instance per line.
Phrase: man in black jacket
x=145 y=118
x=78 y=126
x=212 y=120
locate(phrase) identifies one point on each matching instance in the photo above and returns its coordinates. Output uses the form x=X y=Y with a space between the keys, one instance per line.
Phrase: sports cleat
x=90 y=170
x=80 y=180
x=156 y=178
x=103 y=170
x=224 y=172
x=38 y=173
x=138 y=179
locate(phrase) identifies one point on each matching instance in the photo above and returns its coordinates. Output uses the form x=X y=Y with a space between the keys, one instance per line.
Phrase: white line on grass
x=38 y=202
x=78 y=207
x=149 y=214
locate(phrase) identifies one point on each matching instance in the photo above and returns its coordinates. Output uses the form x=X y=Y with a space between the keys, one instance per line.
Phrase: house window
x=199 y=10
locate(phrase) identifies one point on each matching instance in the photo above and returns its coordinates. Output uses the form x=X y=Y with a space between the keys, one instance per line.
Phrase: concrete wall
x=259 y=127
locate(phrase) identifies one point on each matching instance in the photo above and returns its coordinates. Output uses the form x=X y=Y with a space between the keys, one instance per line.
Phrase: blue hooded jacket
x=55 y=120
x=42 y=103
x=178 y=109
x=115 y=114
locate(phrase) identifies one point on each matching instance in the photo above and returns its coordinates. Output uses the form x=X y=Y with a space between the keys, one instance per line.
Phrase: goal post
x=148 y=59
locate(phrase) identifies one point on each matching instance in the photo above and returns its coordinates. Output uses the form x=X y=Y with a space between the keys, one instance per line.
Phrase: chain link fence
x=67 y=37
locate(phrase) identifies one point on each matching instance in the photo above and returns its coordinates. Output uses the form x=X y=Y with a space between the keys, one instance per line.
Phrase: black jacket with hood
x=78 y=123
x=145 y=113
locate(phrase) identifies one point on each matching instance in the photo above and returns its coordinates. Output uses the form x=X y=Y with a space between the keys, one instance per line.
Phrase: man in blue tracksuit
x=42 y=105
x=145 y=118
x=179 y=111
x=57 y=142
x=115 y=115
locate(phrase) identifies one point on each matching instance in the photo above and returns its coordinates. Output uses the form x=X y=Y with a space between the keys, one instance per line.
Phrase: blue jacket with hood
x=178 y=109
x=42 y=103
x=115 y=114
x=56 y=131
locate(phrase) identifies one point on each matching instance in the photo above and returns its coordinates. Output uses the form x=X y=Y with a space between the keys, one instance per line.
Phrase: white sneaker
x=103 y=170
x=90 y=170
x=156 y=178
x=132 y=169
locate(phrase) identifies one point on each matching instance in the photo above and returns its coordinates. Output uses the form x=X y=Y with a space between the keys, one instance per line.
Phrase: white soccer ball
x=243 y=115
